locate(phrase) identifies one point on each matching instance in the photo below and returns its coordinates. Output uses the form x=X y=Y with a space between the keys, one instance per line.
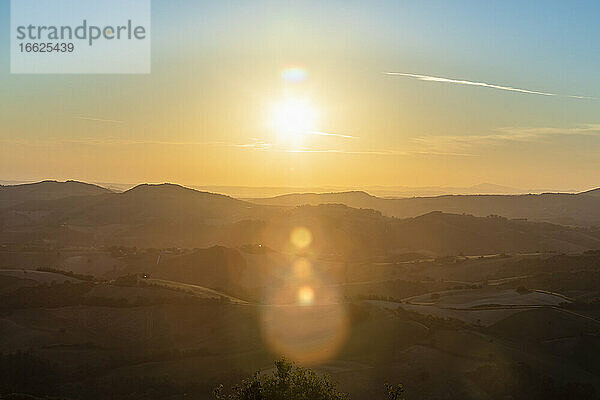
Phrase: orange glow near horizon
x=305 y=95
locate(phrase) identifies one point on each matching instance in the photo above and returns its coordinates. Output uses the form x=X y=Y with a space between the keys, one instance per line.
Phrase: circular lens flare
x=301 y=237
x=306 y=296
x=310 y=329
x=294 y=74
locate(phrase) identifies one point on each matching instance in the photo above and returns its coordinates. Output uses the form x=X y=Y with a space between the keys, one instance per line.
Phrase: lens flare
x=311 y=330
x=294 y=74
x=304 y=318
x=302 y=270
x=306 y=296
x=301 y=237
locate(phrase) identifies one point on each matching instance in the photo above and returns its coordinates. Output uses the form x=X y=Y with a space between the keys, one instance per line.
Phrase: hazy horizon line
x=306 y=189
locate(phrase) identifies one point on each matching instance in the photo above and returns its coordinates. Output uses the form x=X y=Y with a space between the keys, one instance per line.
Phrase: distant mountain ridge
x=348 y=224
x=582 y=209
x=170 y=215
x=560 y=208
x=142 y=204
x=247 y=192
x=46 y=190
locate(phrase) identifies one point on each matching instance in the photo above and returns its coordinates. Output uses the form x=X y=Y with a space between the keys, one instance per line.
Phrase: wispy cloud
x=372 y=152
x=332 y=135
x=98 y=119
x=461 y=143
x=345 y=151
x=94 y=141
x=532 y=133
x=417 y=149
x=255 y=144
x=428 y=78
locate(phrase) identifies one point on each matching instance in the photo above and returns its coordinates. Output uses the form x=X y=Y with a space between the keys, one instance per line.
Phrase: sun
x=292 y=119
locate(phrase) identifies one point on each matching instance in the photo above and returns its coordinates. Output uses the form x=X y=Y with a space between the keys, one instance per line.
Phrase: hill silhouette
x=171 y=215
x=142 y=204
x=593 y=192
x=338 y=229
x=559 y=208
x=46 y=190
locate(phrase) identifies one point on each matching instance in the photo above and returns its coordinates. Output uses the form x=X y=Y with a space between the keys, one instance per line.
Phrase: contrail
x=86 y=118
x=427 y=78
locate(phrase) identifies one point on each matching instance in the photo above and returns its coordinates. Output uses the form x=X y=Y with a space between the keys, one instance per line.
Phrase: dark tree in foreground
x=288 y=382
x=395 y=392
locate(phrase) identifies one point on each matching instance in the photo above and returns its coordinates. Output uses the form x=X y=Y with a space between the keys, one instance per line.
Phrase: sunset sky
x=314 y=93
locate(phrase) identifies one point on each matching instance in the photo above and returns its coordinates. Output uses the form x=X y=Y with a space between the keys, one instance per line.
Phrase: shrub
x=288 y=382
x=395 y=392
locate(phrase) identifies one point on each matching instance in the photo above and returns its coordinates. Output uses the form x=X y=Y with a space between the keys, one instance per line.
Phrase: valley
x=108 y=303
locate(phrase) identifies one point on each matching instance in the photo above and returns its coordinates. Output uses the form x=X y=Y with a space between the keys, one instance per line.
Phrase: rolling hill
x=46 y=190
x=342 y=230
x=139 y=205
x=560 y=208
x=593 y=192
x=171 y=215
